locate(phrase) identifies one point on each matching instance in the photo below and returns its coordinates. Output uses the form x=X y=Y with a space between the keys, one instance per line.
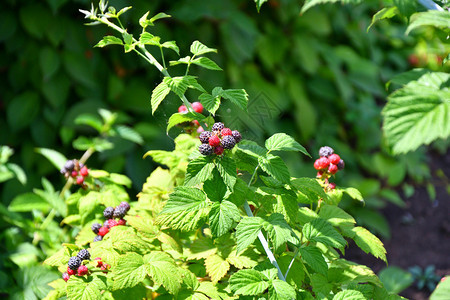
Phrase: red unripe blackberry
x=319 y=174
x=121 y=222
x=228 y=142
x=95 y=227
x=334 y=159
x=112 y=223
x=103 y=231
x=200 y=129
x=74 y=174
x=108 y=212
x=65 y=276
x=237 y=136
x=317 y=165
x=205 y=149
x=323 y=163
x=226 y=131
x=82 y=270
x=332 y=185
x=84 y=172
x=325 y=151
x=80 y=180
x=70 y=271
x=214 y=141
x=197 y=107
x=218 y=126
x=99 y=262
x=196 y=123
x=204 y=137
x=182 y=109
x=218 y=150
x=341 y=164
x=332 y=168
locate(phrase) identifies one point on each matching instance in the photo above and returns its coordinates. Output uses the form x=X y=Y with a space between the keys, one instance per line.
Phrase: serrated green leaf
x=198 y=48
x=217 y=267
x=147 y=38
x=247 y=231
x=124 y=239
x=90 y=120
x=436 y=18
x=418 y=113
x=349 y=295
x=314 y=258
x=336 y=216
x=354 y=193
x=442 y=289
x=85 y=288
x=159 y=16
x=162 y=269
x=184 y=198
x=129 y=271
x=57 y=258
x=284 y=142
x=227 y=170
x=129 y=134
x=202 y=248
x=28 y=202
x=244 y=260
x=385 y=13
x=180 y=84
x=248 y=282
x=309 y=190
x=87 y=205
x=239 y=97
x=171 y=45
x=109 y=40
x=142 y=224
x=251 y=148
x=278 y=229
x=159 y=93
x=210 y=103
x=274 y=166
x=198 y=171
x=395 y=279
x=222 y=216
x=206 y=63
x=281 y=290
x=215 y=188
x=319 y=230
x=179 y=118
x=368 y=242
x=56 y=158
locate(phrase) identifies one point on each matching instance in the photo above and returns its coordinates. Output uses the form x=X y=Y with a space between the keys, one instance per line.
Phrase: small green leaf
x=281 y=290
x=217 y=267
x=349 y=295
x=222 y=216
x=159 y=16
x=259 y=3
x=56 y=158
x=274 y=166
x=247 y=231
x=227 y=170
x=314 y=258
x=309 y=190
x=385 y=13
x=210 y=102
x=198 y=171
x=178 y=118
x=180 y=84
x=198 y=48
x=163 y=270
x=129 y=133
x=395 y=279
x=171 y=45
x=284 y=142
x=109 y=40
x=336 y=216
x=278 y=229
x=436 y=18
x=158 y=95
x=89 y=120
x=206 y=63
x=185 y=199
x=251 y=148
x=86 y=288
x=28 y=202
x=368 y=242
x=248 y=282
x=319 y=230
x=239 y=97
x=129 y=271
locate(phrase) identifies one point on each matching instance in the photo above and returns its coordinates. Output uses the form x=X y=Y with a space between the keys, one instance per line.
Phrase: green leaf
x=321 y=231
x=442 y=290
x=109 y=40
x=251 y=148
x=239 y=97
x=310 y=3
x=158 y=95
x=184 y=198
x=309 y=190
x=179 y=118
x=314 y=258
x=171 y=45
x=395 y=279
x=28 y=202
x=247 y=231
x=368 y=242
x=198 y=48
x=436 y=18
x=385 y=13
x=259 y=3
x=149 y=39
x=227 y=170
x=284 y=142
x=281 y=290
x=129 y=134
x=129 y=271
x=349 y=295
x=418 y=113
x=206 y=63
x=198 y=171
x=222 y=217
x=85 y=289
x=163 y=270
x=278 y=229
x=336 y=216
x=210 y=103
x=56 y=158
x=124 y=239
x=89 y=120
x=274 y=166
x=354 y=193
x=120 y=179
x=49 y=61
x=215 y=188
x=159 y=16
x=128 y=39
x=217 y=267
x=180 y=84
x=248 y=282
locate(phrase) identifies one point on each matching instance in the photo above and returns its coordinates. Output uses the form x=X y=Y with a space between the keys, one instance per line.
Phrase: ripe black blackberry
x=325 y=151
x=84 y=254
x=125 y=204
x=228 y=142
x=237 y=136
x=341 y=164
x=106 y=224
x=205 y=149
x=120 y=212
x=74 y=263
x=204 y=136
x=98 y=238
x=95 y=227
x=108 y=212
x=69 y=165
x=218 y=126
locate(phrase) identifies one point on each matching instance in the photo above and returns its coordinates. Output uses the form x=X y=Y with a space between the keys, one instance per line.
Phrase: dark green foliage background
x=322 y=75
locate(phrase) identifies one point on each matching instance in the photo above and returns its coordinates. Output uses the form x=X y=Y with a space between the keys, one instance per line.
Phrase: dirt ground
x=425 y=239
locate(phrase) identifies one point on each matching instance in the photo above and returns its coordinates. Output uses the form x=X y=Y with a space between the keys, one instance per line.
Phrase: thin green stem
x=162 y=57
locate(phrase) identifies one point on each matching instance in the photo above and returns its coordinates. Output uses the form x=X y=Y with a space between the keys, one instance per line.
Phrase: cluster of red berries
x=218 y=140
x=111 y=214
x=75 y=265
x=328 y=164
x=73 y=168
x=197 y=107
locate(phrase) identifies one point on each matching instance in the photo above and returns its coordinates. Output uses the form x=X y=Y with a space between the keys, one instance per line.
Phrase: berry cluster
x=328 y=164
x=196 y=106
x=102 y=265
x=75 y=265
x=73 y=168
x=111 y=214
x=218 y=140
